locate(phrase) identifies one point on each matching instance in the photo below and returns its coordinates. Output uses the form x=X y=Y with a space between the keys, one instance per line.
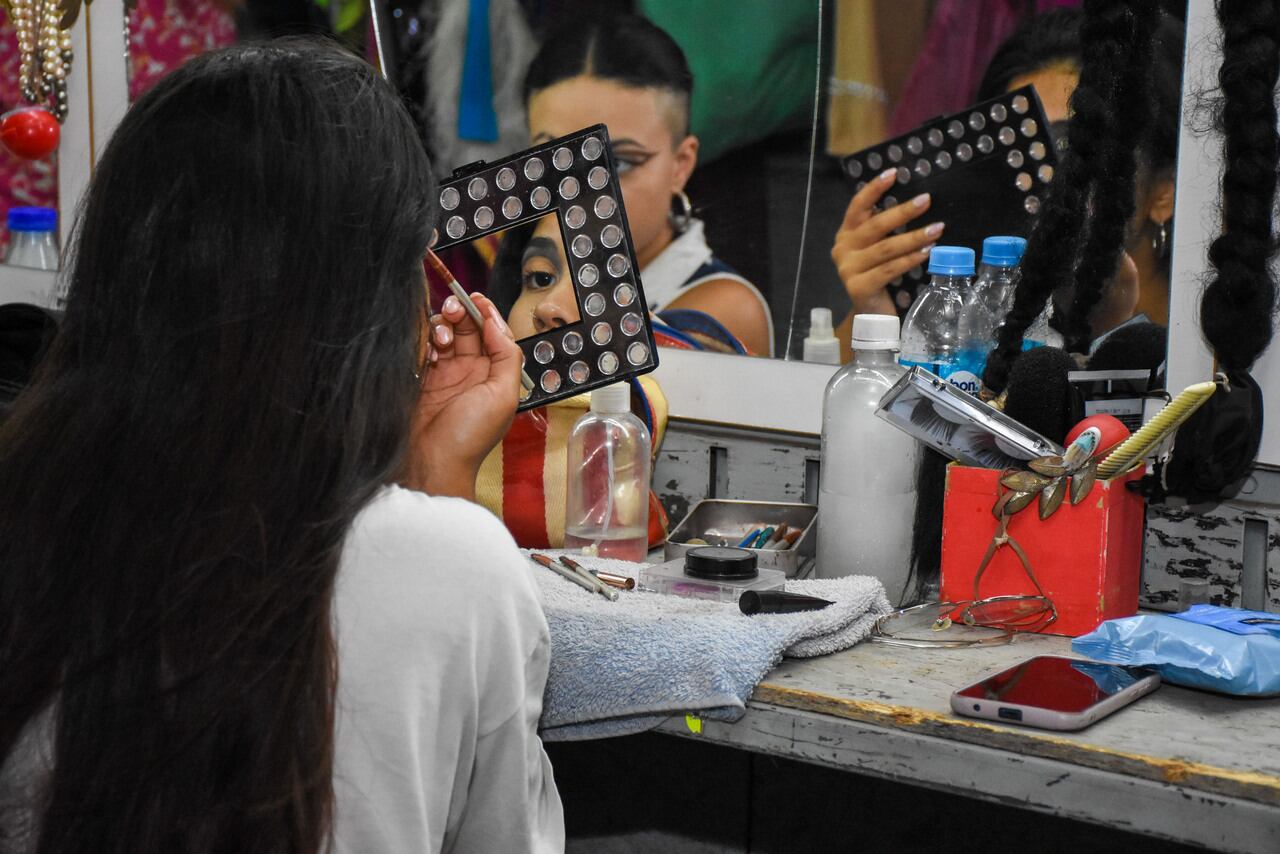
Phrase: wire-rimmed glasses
x=978 y=621
x=975 y=622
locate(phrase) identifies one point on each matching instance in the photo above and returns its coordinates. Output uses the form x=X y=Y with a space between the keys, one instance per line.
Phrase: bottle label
x=962 y=374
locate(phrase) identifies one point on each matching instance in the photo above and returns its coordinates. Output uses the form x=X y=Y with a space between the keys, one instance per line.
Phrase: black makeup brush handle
x=778 y=602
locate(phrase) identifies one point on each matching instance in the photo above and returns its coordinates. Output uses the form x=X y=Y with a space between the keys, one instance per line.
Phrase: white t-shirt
x=443 y=653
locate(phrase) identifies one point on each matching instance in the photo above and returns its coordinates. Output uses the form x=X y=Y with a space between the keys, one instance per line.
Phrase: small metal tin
x=722 y=522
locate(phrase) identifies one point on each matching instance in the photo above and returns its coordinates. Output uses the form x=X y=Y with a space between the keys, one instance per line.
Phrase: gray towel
x=619 y=668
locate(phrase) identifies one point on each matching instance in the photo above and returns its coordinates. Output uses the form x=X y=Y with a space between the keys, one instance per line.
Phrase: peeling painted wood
x=1160 y=809
x=1205 y=544
x=1177 y=764
x=1216 y=744
x=757 y=466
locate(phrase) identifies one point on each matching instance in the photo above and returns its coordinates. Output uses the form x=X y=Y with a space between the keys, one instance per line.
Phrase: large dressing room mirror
x=730 y=121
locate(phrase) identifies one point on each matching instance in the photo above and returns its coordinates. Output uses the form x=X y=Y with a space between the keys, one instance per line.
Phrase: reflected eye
x=537 y=280
x=625 y=161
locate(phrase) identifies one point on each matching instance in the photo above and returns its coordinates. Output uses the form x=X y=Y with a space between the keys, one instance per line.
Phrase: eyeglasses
x=978 y=621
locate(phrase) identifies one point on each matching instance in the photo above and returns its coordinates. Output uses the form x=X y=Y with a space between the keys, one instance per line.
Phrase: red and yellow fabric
x=524 y=479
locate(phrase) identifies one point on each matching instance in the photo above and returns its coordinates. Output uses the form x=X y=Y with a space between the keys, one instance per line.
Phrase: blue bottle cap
x=33 y=219
x=1003 y=251
x=951 y=261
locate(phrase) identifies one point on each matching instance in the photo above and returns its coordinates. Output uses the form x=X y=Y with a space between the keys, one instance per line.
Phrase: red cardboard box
x=1087 y=557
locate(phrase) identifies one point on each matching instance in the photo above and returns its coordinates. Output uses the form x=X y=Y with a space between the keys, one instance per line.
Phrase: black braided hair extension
x=1122 y=36
x=1049 y=261
x=1238 y=306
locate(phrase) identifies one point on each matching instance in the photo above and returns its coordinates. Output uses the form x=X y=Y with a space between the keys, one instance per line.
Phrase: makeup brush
x=437 y=266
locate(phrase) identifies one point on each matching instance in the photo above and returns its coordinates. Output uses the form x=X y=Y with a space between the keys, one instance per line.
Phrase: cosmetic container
x=33 y=238
x=867 y=493
x=607 y=501
x=725 y=522
x=721 y=574
x=820 y=345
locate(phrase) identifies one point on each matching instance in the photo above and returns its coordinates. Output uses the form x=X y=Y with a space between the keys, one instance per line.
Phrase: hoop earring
x=680 y=221
x=1160 y=240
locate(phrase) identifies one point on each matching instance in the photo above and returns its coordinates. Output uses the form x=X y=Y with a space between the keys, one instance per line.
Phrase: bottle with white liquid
x=867 y=491
x=607 y=505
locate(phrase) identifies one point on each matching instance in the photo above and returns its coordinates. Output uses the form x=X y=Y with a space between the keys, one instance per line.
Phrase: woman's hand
x=867 y=257
x=469 y=394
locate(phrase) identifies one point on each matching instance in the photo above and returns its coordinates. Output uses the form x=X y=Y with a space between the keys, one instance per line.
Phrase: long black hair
x=234 y=380
x=626 y=49
x=1237 y=309
x=1130 y=54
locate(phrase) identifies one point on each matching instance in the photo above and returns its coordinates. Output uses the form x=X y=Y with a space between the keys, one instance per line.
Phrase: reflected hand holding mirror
x=565 y=275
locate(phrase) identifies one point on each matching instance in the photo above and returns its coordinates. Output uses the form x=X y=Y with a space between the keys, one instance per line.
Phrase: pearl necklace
x=44 y=53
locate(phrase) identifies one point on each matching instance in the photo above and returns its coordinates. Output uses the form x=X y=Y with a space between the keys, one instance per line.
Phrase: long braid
x=1051 y=249
x=1237 y=308
x=1118 y=41
x=1109 y=34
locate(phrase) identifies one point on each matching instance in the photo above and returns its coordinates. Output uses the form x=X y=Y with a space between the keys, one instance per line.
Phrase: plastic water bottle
x=607 y=505
x=867 y=493
x=33 y=238
x=931 y=331
x=985 y=306
x=820 y=345
x=998 y=274
x=1040 y=333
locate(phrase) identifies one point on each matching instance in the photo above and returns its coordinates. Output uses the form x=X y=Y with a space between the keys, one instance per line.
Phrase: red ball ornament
x=30 y=132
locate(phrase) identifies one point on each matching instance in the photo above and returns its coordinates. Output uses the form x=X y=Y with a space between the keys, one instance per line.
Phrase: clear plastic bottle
x=985 y=305
x=998 y=274
x=608 y=490
x=33 y=238
x=867 y=493
x=931 y=330
x=1040 y=333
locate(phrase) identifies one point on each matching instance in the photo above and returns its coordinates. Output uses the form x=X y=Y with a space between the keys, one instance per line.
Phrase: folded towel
x=623 y=667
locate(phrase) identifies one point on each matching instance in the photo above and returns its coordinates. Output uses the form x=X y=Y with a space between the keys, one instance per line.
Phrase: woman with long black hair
x=239 y=610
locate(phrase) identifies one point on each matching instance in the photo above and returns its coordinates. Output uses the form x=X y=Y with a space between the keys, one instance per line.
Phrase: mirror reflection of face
x=652 y=161
x=547 y=299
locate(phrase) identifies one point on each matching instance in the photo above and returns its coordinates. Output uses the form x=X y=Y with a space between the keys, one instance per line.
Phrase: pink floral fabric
x=163 y=34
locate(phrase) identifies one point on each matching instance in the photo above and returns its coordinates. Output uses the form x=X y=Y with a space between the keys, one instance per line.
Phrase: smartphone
x=1053 y=692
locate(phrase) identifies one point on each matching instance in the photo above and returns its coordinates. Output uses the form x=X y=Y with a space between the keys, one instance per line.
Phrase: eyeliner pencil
x=565 y=572
x=438 y=267
x=600 y=587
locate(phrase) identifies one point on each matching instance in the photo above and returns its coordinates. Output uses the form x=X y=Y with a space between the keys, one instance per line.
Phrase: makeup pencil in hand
x=437 y=266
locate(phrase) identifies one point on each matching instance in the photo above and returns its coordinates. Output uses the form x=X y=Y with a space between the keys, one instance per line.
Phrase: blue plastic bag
x=1189 y=650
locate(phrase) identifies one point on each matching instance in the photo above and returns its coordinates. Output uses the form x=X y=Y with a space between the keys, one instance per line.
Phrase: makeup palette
x=986 y=167
x=574 y=178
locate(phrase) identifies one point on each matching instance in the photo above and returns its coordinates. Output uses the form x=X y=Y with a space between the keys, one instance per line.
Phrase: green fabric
x=753 y=64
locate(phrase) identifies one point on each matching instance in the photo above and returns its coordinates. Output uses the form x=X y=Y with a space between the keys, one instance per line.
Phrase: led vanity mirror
x=565 y=275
